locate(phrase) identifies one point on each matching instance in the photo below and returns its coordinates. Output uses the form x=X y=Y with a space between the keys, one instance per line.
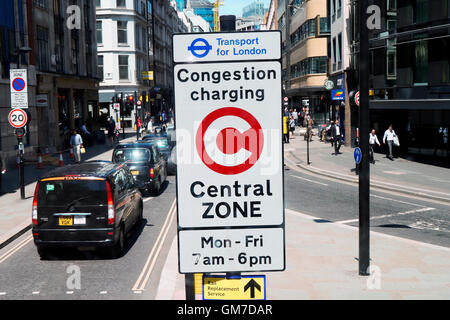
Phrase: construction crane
x=217 y=4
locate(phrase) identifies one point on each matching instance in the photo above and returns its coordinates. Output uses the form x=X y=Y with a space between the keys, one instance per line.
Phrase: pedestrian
x=76 y=143
x=285 y=130
x=150 y=126
x=373 y=139
x=291 y=127
x=2 y=168
x=139 y=125
x=336 y=135
x=301 y=117
x=309 y=124
x=111 y=130
x=295 y=114
x=389 y=136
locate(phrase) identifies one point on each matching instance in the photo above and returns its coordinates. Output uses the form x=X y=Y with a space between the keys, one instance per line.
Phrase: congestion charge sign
x=229 y=153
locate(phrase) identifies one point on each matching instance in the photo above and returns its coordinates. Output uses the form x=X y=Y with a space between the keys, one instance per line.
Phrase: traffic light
x=131 y=99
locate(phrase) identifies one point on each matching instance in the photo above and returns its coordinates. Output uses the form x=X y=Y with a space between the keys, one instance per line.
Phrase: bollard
x=39 y=162
x=61 y=160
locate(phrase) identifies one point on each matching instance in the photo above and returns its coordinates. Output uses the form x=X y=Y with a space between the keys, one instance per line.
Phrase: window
x=421 y=63
x=391 y=64
x=42 y=48
x=391 y=5
x=339 y=52
x=40 y=3
x=100 y=67
x=98 y=3
x=99 y=32
x=122 y=32
x=121 y=3
x=123 y=67
x=334 y=56
x=421 y=11
x=338 y=9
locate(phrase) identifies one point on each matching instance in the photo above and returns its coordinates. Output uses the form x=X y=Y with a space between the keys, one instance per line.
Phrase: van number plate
x=65 y=221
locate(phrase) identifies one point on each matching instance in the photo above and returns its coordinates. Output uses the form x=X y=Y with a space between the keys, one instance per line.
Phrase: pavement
x=15 y=213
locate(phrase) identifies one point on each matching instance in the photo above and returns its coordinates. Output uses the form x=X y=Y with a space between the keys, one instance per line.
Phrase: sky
x=235 y=6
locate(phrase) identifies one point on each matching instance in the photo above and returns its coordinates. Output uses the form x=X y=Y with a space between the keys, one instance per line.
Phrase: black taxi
x=146 y=163
x=92 y=204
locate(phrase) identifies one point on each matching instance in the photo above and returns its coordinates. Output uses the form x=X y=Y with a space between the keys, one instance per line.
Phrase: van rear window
x=59 y=192
x=133 y=155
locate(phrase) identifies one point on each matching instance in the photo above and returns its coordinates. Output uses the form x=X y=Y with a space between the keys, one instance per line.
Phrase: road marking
x=388 y=215
x=15 y=249
x=147 y=199
x=69 y=292
x=345 y=226
x=399 y=201
x=152 y=257
x=2 y=293
x=322 y=184
x=35 y=292
x=103 y=292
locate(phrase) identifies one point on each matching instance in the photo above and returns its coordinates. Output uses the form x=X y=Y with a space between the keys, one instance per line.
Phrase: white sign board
x=229 y=151
x=239 y=46
x=17 y=118
x=19 y=88
x=236 y=250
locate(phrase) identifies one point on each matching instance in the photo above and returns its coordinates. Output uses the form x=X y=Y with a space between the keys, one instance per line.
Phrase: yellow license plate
x=134 y=172
x=65 y=221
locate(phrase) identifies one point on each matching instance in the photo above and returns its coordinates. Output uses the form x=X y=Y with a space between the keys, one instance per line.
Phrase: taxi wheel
x=157 y=188
x=43 y=252
x=116 y=251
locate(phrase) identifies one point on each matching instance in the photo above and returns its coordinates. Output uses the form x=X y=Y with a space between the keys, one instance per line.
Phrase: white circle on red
x=18 y=118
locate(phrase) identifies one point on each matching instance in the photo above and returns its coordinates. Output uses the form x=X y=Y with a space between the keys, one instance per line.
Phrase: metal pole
x=307 y=146
x=122 y=108
x=189 y=286
x=364 y=175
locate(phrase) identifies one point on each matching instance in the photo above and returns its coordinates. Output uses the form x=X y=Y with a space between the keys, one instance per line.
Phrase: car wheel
x=116 y=250
x=157 y=189
x=141 y=213
x=43 y=252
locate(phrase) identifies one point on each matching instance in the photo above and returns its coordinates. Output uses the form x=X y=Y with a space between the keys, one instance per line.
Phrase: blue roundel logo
x=200 y=47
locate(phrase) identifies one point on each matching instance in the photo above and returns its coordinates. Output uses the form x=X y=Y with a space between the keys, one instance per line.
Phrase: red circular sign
x=18 y=118
x=231 y=140
x=357 y=98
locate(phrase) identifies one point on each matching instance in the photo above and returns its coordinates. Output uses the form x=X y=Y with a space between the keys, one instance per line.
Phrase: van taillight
x=152 y=173
x=34 y=217
x=111 y=211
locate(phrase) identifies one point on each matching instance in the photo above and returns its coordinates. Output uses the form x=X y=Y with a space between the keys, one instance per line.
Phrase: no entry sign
x=229 y=155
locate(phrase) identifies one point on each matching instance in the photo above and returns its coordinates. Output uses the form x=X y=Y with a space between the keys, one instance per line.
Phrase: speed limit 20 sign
x=18 y=118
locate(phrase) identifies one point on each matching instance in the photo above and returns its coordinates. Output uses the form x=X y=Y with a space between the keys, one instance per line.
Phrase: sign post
x=364 y=174
x=229 y=152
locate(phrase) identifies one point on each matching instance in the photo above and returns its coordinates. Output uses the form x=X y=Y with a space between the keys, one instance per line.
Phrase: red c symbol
x=230 y=140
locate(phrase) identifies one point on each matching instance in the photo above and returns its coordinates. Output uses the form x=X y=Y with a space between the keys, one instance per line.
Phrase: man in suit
x=337 y=137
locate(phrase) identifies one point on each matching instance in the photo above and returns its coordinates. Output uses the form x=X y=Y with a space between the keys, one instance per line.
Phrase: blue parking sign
x=357 y=155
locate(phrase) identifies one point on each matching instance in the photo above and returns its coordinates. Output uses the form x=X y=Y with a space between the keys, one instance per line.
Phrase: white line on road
x=2 y=293
x=35 y=292
x=389 y=215
x=69 y=292
x=152 y=257
x=399 y=201
x=322 y=184
x=103 y=292
x=384 y=235
x=15 y=249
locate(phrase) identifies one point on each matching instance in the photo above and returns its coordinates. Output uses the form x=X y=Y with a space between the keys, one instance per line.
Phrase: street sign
x=357 y=155
x=238 y=288
x=337 y=95
x=42 y=100
x=229 y=159
x=17 y=118
x=230 y=46
x=328 y=85
x=20 y=132
x=19 y=88
x=357 y=98
x=139 y=102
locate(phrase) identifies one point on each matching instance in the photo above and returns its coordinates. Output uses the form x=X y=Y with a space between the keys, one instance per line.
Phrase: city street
x=23 y=275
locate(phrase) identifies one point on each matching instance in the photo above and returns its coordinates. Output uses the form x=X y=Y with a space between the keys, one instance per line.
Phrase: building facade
x=305 y=31
x=410 y=76
x=254 y=9
x=62 y=68
x=270 y=21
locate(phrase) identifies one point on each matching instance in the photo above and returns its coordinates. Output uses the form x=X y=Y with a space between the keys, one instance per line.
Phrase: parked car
x=145 y=162
x=171 y=161
x=92 y=204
